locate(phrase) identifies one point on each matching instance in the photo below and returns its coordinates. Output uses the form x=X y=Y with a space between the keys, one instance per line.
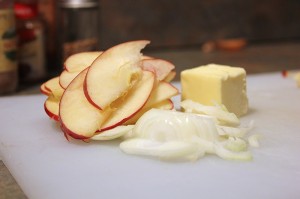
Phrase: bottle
x=8 y=48
x=78 y=25
x=30 y=29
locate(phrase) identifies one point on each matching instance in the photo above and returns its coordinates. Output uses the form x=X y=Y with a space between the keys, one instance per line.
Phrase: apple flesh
x=44 y=90
x=160 y=98
x=159 y=66
x=54 y=87
x=51 y=107
x=79 y=119
x=113 y=73
x=162 y=91
x=113 y=133
x=170 y=77
x=80 y=61
x=165 y=105
x=98 y=92
x=66 y=77
x=127 y=106
x=54 y=92
x=75 y=64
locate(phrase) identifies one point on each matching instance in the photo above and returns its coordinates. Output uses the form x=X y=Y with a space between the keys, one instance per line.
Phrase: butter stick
x=212 y=83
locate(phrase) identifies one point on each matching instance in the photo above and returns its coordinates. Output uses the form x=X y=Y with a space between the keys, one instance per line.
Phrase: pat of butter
x=212 y=83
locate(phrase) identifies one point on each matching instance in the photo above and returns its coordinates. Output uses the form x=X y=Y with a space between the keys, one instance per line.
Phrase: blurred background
x=259 y=35
x=192 y=32
x=177 y=23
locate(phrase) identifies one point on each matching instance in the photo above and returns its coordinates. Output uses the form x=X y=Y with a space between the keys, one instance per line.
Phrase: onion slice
x=219 y=112
x=169 y=134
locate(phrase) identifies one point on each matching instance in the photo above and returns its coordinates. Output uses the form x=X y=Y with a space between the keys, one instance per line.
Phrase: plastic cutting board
x=47 y=166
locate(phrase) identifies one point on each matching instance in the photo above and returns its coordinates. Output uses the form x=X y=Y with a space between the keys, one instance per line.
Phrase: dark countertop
x=255 y=58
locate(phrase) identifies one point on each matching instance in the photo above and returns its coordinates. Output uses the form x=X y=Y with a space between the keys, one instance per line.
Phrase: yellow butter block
x=297 y=78
x=212 y=83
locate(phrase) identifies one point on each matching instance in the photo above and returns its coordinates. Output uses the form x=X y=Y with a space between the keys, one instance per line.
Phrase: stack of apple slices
x=99 y=91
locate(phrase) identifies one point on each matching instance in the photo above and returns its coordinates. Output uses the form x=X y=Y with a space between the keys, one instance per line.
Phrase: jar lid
x=78 y=3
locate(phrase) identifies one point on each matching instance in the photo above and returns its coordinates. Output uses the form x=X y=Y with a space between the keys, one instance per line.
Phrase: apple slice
x=54 y=87
x=54 y=92
x=162 y=91
x=126 y=107
x=78 y=117
x=80 y=61
x=66 y=77
x=170 y=76
x=113 y=73
x=159 y=66
x=51 y=107
x=165 y=105
x=159 y=98
x=113 y=133
x=44 y=90
x=51 y=83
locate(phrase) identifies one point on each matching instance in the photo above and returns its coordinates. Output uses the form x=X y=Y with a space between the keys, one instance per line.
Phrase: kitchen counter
x=258 y=58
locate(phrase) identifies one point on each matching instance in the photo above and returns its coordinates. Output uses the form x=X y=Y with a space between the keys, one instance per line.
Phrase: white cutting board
x=47 y=166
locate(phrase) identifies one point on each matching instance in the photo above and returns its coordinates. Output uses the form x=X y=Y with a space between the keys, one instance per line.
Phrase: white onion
x=171 y=134
x=162 y=150
x=253 y=140
x=219 y=112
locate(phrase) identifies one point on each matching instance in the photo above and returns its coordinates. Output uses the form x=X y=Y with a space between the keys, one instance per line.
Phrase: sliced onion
x=253 y=140
x=220 y=113
x=235 y=144
x=169 y=134
x=227 y=154
x=163 y=150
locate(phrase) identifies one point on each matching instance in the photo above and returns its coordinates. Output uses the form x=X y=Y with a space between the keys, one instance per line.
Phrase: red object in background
x=284 y=73
x=26 y=35
x=30 y=29
x=25 y=10
x=231 y=44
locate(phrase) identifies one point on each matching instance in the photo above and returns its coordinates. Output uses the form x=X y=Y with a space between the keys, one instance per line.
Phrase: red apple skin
x=88 y=97
x=60 y=80
x=82 y=65
x=54 y=87
x=104 y=56
x=171 y=102
x=122 y=121
x=44 y=90
x=61 y=85
x=46 y=84
x=51 y=114
x=159 y=66
x=62 y=77
x=70 y=133
x=91 y=117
